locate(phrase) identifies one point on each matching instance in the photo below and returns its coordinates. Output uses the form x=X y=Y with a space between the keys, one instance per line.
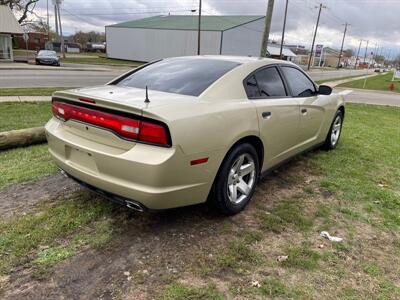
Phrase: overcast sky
x=375 y=20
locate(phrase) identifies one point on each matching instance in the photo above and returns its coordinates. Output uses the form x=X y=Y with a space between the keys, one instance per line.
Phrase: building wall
x=36 y=41
x=150 y=44
x=6 y=52
x=243 y=40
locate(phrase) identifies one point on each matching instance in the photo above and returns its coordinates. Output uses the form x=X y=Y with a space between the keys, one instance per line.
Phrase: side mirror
x=324 y=90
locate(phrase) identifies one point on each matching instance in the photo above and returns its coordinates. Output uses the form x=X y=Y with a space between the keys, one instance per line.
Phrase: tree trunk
x=22 y=137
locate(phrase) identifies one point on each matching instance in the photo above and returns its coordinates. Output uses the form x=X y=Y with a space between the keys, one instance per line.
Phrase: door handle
x=266 y=114
x=304 y=111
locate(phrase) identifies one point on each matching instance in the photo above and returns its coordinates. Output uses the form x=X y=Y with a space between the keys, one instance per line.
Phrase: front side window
x=265 y=83
x=299 y=83
x=186 y=76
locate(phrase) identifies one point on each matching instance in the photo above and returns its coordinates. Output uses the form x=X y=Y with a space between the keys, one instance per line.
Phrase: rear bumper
x=154 y=177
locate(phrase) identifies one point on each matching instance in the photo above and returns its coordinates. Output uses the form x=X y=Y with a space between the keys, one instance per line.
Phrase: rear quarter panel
x=208 y=129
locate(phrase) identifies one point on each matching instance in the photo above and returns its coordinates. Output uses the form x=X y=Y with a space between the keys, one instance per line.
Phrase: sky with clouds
x=375 y=20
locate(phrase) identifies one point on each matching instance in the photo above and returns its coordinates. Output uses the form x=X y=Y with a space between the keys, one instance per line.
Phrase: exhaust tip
x=134 y=206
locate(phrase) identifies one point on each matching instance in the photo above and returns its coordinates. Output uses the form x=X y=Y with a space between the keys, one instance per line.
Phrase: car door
x=278 y=114
x=312 y=109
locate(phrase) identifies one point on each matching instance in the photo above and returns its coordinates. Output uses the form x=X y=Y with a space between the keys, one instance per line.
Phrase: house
x=68 y=46
x=36 y=41
x=9 y=26
x=167 y=36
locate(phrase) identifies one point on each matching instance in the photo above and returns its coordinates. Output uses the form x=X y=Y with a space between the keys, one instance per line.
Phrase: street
x=56 y=78
x=369 y=97
x=31 y=77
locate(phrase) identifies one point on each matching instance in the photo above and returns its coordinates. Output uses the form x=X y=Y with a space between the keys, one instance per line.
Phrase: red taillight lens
x=153 y=133
x=144 y=131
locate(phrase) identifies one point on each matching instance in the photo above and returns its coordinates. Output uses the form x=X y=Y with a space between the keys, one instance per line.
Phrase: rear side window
x=186 y=76
x=265 y=83
x=299 y=83
x=251 y=87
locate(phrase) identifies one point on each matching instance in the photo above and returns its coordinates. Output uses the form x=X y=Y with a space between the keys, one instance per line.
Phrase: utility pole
x=365 y=54
x=199 y=30
x=267 y=28
x=48 y=22
x=61 y=33
x=341 y=48
x=375 y=56
x=283 y=30
x=315 y=34
x=358 y=53
x=56 y=21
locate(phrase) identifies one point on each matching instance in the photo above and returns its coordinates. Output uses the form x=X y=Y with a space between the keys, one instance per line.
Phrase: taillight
x=133 y=129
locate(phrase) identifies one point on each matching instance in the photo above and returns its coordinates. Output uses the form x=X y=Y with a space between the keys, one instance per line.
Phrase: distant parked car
x=47 y=57
x=183 y=130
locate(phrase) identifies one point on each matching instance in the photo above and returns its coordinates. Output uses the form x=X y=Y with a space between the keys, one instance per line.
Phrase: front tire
x=332 y=139
x=236 y=180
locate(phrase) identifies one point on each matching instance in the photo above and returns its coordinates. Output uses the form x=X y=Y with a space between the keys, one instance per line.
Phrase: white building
x=8 y=26
x=167 y=36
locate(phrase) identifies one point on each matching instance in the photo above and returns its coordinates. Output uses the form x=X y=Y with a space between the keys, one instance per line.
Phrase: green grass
x=302 y=257
x=40 y=91
x=18 y=115
x=23 y=165
x=237 y=254
x=179 y=291
x=100 y=60
x=21 y=237
x=380 y=82
x=365 y=168
x=285 y=214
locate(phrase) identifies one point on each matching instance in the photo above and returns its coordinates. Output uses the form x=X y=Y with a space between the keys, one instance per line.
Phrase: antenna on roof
x=147 y=100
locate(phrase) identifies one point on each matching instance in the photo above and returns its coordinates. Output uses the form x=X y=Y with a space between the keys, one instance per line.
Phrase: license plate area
x=81 y=159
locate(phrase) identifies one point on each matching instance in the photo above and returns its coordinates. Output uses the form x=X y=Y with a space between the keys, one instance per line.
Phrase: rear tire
x=236 y=180
x=332 y=139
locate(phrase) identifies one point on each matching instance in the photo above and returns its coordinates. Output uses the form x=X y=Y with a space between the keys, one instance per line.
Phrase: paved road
x=369 y=97
x=322 y=75
x=61 y=78
x=56 y=78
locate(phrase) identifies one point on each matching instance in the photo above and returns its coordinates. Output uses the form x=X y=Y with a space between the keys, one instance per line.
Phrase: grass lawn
x=41 y=91
x=28 y=164
x=380 y=83
x=271 y=250
x=19 y=115
x=100 y=60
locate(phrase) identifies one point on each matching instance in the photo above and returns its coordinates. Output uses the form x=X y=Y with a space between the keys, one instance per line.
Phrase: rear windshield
x=186 y=76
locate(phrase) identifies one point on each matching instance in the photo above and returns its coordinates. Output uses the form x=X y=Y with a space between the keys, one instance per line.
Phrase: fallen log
x=22 y=137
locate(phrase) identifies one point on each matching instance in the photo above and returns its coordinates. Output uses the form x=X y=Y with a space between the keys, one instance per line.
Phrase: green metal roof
x=208 y=23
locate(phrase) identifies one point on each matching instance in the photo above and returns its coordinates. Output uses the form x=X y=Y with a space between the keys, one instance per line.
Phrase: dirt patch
x=150 y=251
x=20 y=198
x=154 y=248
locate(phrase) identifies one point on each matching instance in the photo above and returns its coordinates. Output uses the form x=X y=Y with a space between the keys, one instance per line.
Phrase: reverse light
x=147 y=131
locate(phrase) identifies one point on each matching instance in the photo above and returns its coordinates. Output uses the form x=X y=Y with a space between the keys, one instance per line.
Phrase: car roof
x=240 y=59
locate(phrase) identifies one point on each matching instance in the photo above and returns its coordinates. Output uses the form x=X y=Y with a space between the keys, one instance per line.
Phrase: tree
x=348 y=53
x=40 y=26
x=23 y=8
x=88 y=37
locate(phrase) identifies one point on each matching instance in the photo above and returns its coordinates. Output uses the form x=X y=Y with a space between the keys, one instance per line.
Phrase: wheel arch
x=341 y=108
x=253 y=140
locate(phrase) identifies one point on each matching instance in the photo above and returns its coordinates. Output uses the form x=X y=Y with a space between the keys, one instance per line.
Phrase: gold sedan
x=185 y=130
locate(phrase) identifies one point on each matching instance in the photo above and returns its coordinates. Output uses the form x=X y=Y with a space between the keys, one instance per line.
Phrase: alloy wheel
x=241 y=178
x=336 y=127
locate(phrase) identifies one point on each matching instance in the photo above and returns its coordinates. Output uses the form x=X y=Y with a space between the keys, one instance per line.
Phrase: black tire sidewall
x=328 y=143
x=220 y=196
